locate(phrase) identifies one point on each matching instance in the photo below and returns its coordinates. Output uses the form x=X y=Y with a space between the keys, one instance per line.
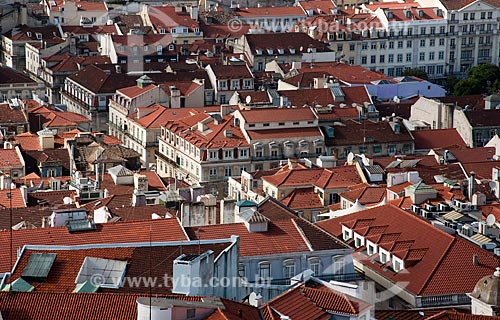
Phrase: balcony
x=453 y=21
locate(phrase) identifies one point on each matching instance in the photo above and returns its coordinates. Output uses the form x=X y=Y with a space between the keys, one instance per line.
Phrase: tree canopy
x=417 y=73
x=483 y=78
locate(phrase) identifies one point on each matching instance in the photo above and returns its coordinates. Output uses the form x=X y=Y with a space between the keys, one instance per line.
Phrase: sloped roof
x=161 y=230
x=432 y=256
x=303 y=198
x=65 y=269
x=440 y=138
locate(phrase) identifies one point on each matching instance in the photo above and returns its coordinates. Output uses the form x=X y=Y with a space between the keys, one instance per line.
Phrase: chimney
x=472 y=183
x=475 y=260
x=138 y=199
x=225 y=109
x=191 y=267
x=175 y=97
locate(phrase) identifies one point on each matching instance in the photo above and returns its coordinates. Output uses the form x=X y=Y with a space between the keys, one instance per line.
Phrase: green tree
x=416 y=73
x=485 y=73
x=468 y=87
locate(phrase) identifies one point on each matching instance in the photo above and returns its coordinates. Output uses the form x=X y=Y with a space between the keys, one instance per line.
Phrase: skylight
x=101 y=272
x=39 y=265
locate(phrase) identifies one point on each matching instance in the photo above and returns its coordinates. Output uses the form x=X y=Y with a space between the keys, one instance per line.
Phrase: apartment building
x=180 y=22
x=203 y=148
x=228 y=79
x=288 y=133
x=76 y=12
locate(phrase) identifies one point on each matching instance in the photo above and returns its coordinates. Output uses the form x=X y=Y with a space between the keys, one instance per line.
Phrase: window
x=190 y=313
x=408 y=57
x=241 y=270
x=243 y=153
x=315 y=266
x=352 y=47
x=422 y=43
x=400 y=57
x=391 y=148
x=382 y=58
x=441 y=55
x=213 y=172
x=364 y=46
x=288 y=268
x=374 y=46
x=338 y=264
x=421 y=56
x=409 y=44
x=370 y=249
x=466 y=16
x=400 y=44
x=373 y=59
x=432 y=42
x=410 y=31
x=442 y=29
x=264 y=271
x=473 y=16
x=441 y=42
x=431 y=56
x=391 y=44
x=433 y=30
x=363 y=60
x=422 y=30
x=228 y=153
x=227 y=171
x=391 y=58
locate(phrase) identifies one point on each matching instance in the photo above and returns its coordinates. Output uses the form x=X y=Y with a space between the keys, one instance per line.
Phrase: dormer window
x=347 y=233
x=281 y=51
x=292 y=50
x=397 y=264
x=359 y=241
x=371 y=248
x=258 y=51
x=269 y=51
x=384 y=256
x=163 y=31
x=171 y=47
x=159 y=49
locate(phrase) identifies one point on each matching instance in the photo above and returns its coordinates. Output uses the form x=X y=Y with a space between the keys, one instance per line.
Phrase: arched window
x=288 y=268
x=315 y=265
x=338 y=264
x=264 y=271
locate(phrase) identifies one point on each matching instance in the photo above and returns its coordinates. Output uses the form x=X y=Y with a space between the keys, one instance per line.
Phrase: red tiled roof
x=278 y=114
x=303 y=198
x=10 y=115
x=345 y=73
x=9 y=158
x=354 y=133
x=284 y=133
x=68 y=261
x=294 y=177
x=441 y=138
x=270 y=12
x=168 y=17
x=135 y=91
x=318 y=6
x=16 y=200
x=28 y=141
x=455 y=315
x=338 y=177
x=285 y=233
x=231 y=71
x=161 y=230
x=214 y=136
x=432 y=256
x=456 y=5
x=294 y=304
x=56 y=5
x=480 y=154
x=366 y=195
x=63 y=306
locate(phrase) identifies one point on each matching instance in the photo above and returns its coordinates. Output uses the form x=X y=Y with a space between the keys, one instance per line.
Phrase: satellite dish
x=248 y=99
x=252 y=299
x=350 y=157
x=490 y=220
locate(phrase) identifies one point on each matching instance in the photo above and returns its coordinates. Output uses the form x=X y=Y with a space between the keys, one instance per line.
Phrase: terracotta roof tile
x=81 y=306
x=303 y=198
x=366 y=195
x=441 y=138
x=161 y=230
x=270 y=12
x=443 y=254
x=68 y=261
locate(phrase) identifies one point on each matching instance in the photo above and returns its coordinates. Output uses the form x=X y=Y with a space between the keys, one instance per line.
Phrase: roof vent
x=228 y=133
